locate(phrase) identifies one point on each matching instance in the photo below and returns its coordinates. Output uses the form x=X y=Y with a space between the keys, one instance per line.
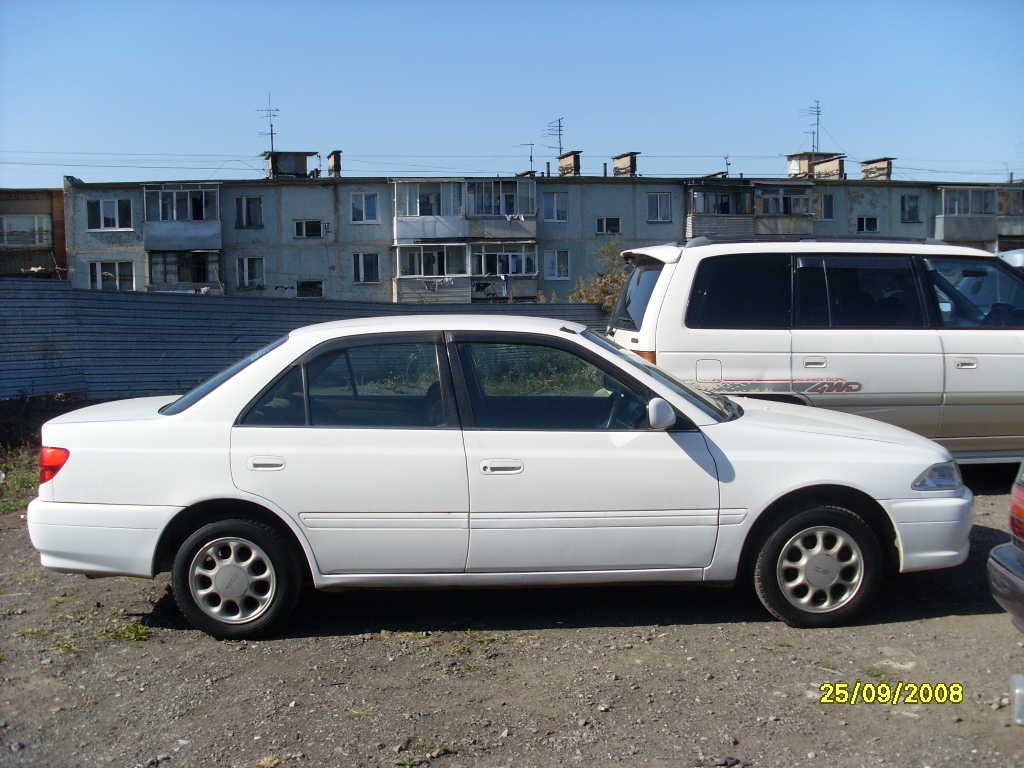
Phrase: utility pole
x=530 y=145
x=270 y=113
x=556 y=128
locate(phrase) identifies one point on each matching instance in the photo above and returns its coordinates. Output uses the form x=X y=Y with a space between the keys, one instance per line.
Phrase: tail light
x=1017 y=510
x=650 y=357
x=50 y=462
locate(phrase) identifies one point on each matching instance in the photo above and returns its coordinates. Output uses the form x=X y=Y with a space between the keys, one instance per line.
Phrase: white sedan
x=427 y=451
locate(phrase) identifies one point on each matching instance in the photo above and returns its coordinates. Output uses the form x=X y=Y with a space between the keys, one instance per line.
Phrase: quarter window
x=741 y=291
x=109 y=214
x=976 y=293
x=532 y=386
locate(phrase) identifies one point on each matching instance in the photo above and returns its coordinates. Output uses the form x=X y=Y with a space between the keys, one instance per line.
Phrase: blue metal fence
x=101 y=345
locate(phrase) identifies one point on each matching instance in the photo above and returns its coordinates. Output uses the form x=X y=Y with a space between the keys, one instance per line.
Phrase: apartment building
x=32 y=233
x=306 y=235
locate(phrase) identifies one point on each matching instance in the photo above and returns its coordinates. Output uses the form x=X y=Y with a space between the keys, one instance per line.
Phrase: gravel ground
x=105 y=672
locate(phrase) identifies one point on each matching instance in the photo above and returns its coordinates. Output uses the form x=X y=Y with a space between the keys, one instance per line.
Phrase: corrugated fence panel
x=57 y=339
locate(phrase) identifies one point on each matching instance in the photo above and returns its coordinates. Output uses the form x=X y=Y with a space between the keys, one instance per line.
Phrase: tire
x=236 y=579
x=836 y=556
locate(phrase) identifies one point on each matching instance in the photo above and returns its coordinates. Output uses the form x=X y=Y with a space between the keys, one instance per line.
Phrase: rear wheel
x=819 y=568
x=235 y=579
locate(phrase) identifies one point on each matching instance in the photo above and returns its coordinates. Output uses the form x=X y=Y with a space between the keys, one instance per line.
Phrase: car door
x=564 y=474
x=359 y=441
x=979 y=304
x=862 y=342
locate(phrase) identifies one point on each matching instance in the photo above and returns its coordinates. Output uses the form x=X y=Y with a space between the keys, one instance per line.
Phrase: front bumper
x=97 y=539
x=1006 y=580
x=933 y=532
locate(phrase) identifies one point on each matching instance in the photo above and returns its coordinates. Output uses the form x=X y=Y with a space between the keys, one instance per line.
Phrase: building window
x=364 y=207
x=430 y=198
x=500 y=198
x=1011 y=202
x=910 y=209
x=556 y=206
x=109 y=214
x=968 y=202
x=431 y=260
x=608 y=225
x=504 y=259
x=112 y=275
x=867 y=223
x=174 y=202
x=312 y=228
x=659 y=207
x=365 y=268
x=782 y=201
x=170 y=267
x=248 y=212
x=722 y=203
x=27 y=229
x=827 y=208
x=250 y=272
x=556 y=265
x=309 y=289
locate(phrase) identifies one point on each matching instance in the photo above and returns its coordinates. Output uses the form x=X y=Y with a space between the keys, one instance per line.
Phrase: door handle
x=501 y=466
x=815 y=362
x=966 y=364
x=266 y=463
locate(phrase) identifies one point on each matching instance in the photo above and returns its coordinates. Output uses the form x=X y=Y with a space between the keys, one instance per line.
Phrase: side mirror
x=660 y=415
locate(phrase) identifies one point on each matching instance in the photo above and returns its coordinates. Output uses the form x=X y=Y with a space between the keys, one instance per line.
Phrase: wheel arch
x=858 y=501
x=196 y=515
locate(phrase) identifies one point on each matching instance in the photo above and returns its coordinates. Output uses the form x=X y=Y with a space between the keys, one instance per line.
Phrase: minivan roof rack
x=716 y=239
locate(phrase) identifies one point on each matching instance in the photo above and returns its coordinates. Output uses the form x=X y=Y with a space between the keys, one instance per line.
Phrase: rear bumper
x=1006 y=580
x=933 y=533
x=97 y=539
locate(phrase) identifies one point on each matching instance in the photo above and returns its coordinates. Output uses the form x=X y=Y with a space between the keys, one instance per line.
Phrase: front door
x=564 y=473
x=360 y=443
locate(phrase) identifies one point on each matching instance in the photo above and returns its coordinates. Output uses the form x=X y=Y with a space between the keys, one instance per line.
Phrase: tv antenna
x=269 y=112
x=728 y=164
x=815 y=132
x=556 y=128
x=530 y=145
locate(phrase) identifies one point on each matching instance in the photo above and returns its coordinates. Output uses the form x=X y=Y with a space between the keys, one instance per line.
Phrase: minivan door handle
x=501 y=466
x=815 y=362
x=966 y=364
x=266 y=463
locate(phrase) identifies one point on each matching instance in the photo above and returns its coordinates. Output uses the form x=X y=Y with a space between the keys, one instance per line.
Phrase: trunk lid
x=135 y=409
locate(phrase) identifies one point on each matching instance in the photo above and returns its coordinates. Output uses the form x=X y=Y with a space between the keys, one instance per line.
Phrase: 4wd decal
x=830 y=386
x=837 y=387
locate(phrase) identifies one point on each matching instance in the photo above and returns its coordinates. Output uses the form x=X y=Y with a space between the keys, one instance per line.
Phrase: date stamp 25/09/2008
x=892 y=693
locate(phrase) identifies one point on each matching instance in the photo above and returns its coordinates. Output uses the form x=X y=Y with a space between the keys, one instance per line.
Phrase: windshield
x=193 y=396
x=632 y=304
x=718 y=407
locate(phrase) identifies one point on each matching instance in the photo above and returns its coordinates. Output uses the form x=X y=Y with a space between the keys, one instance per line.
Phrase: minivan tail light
x=650 y=357
x=50 y=462
x=1017 y=511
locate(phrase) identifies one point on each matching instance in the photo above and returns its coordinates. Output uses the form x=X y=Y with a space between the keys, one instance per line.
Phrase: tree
x=604 y=287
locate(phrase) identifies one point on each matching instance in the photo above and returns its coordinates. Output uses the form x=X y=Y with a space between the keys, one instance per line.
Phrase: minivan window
x=632 y=304
x=742 y=291
x=976 y=293
x=872 y=292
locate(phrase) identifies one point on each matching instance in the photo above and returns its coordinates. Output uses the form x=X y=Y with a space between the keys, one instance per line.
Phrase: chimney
x=624 y=164
x=547 y=168
x=829 y=168
x=569 y=163
x=334 y=164
x=877 y=169
x=287 y=165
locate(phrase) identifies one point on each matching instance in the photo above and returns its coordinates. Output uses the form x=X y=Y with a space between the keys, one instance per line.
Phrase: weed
x=20 y=467
x=876 y=672
x=133 y=630
x=38 y=632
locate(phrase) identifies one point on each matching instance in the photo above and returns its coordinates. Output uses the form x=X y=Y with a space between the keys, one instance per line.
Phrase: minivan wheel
x=819 y=568
x=235 y=579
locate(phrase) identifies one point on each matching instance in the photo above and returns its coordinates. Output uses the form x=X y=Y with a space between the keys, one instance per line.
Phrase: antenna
x=530 y=145
x=815 y=112
x=728 y=163
x=556 y=128
x=270 y=113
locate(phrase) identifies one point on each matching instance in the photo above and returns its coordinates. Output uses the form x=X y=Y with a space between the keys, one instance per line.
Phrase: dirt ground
x=105 y=672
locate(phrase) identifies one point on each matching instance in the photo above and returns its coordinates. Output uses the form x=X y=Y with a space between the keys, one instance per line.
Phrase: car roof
x=670 y=252
x=440 y=322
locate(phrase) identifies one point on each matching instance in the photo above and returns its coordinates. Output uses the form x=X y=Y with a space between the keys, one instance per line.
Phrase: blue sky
x=130 y=91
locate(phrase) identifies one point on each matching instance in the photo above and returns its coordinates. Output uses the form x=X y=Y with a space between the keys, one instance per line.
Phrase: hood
x=802 y=418
x=118 y=410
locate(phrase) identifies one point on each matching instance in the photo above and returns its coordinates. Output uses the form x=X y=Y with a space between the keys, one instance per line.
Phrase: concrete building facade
x=32 y=233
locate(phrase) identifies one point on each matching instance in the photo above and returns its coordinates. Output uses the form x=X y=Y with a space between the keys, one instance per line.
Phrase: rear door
x=360 y=442
x=979 y=304
x=862 y=342
x=565 y=474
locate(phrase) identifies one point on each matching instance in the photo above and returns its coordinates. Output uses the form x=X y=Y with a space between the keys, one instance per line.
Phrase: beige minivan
x=925 y=336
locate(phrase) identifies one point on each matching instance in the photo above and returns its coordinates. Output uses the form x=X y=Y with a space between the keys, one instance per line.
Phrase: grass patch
x=39 y=632
x=876 y=672
x=66 y=647
x=20 y=465
x=133 y=630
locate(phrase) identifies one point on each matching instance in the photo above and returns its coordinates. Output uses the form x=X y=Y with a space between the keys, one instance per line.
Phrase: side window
x=872 y=292
x=381 y=385
x=532 y=386
x=283 y=405
x=811 y=293
x=976 y=293
x=741 y=291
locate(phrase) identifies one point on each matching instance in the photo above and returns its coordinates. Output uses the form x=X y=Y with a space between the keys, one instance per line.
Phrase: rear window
x=629 y=312
x=747 y=290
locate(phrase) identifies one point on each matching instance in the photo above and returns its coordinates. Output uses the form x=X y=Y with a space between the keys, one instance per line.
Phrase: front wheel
x=819 y=568
x=235 y=579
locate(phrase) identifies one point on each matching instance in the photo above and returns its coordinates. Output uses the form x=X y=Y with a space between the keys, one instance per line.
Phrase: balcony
x=458 y=211
x=182 y=217
x=181 y=236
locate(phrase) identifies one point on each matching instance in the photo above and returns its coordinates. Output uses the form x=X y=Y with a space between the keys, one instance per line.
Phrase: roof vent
x=569 y=163
x=624 y=164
